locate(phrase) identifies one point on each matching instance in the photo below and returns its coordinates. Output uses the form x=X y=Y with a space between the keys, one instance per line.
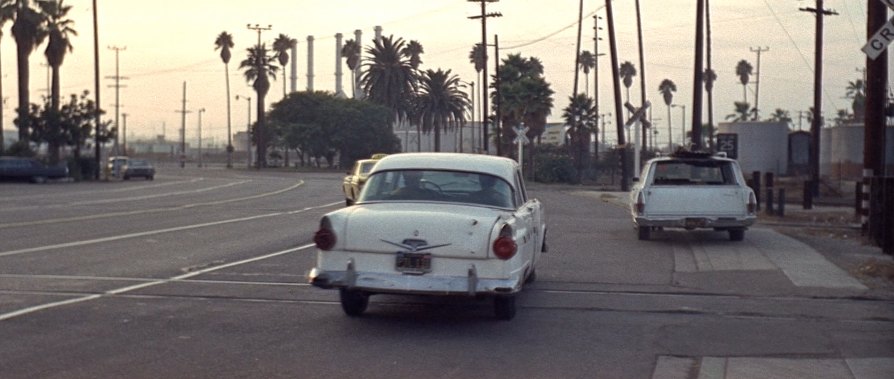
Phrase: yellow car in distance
x=353 y=183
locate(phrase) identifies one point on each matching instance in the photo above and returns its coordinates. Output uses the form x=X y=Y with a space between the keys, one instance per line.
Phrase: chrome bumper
x=703 y=222
x=470 y=284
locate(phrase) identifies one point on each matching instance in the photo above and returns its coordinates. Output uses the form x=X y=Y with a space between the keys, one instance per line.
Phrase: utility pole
x=202 y=110
x=596 y=55
x=484 y=16
x=259 y=29
x=709 y=85
x=757 y=81
x=619 y=111
x=124 y=133
x=698 y=82
x=117 y=86
x=876 y=202
x=816 y=125
x=498 y=114
x=642 y=76
x=183 y=113
x=97 y=129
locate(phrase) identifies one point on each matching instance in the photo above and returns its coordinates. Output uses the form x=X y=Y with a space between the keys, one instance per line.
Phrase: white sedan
x=433 y=224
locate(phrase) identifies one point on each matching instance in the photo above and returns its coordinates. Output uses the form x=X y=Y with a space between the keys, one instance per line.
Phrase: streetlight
x=200 y=135
x=247 y=128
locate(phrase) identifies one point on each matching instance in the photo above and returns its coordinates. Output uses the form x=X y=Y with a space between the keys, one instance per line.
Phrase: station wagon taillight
x=752 y=203
x=640 y=203
x=504 y=246
x=324 y=238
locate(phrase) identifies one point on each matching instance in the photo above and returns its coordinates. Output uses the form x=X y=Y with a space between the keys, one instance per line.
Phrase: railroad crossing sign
x=882 y=38
x=521 y=139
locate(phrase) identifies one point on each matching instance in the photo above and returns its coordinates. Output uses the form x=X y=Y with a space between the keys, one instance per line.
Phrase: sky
x=163 y=44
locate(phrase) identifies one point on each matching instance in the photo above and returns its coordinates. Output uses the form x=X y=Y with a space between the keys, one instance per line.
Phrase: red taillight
x=324 y=238
x=504 y=246
x=752 y=203
x=640 y=203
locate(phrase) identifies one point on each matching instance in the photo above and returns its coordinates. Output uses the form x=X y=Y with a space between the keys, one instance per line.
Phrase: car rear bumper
x=695 y=222
x=427 y=284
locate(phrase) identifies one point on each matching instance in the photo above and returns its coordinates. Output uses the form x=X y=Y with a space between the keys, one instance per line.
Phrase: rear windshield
x=693 y=172
x=438 y=185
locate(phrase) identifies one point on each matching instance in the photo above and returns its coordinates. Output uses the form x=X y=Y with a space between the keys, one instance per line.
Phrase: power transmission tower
x=183 y=113
x=484 y=16
x=757 y=81
x=815 y=126
x=117 y=86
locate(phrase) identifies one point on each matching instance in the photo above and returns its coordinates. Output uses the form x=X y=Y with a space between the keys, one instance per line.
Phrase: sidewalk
x=669 y=367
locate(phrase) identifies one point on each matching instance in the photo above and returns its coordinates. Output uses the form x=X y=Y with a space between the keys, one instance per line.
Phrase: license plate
x=413 y=263
x=695 y=223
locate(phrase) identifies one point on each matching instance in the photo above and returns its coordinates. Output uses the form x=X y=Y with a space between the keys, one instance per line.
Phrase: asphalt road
x=201 y=274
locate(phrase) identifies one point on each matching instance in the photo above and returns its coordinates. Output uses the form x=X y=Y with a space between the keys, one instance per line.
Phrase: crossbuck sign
x=882 y=38
x=521 y=139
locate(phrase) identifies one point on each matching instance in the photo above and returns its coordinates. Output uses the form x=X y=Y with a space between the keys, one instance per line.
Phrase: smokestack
x=294 y=83
x=310 y=63
x=358 y=91
x=339 y=92
x=378 y=30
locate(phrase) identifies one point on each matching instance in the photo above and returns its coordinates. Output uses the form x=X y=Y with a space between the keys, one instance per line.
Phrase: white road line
x=118 y=291
x=154 y=232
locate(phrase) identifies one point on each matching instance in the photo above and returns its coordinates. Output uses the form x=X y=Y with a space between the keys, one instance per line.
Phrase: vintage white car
x=433 y=224
x=692 y=190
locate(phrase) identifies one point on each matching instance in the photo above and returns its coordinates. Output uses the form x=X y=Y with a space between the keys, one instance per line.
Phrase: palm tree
x=744 y=71
x=351 y=52
x=667 y=89
x=413 y=50
x=627 y=71
x=586 y=62
x=856 y=90
x=580 y=114
x=7 y=13
x=525 y=96
x=29 y=31
x=741 y=113
x=224 y=43
x=389 y=79
x=781 y=115
x=59 y=44
x=259 y=69
x=441 y=103
x=281 y=46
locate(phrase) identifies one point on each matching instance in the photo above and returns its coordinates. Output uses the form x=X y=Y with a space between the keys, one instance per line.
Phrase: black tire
x=736 y=234
x=39 y=179
x=532 y=276
x=504 y=307
x=353 y=302
x=643 y=232
x=150 y=177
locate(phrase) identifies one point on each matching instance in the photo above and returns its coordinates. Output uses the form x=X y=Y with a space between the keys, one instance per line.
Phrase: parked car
x=138 y=168
x=433 y=224
x=692 y=190
x=30 y=169
x=115 y=163
x=353 y=183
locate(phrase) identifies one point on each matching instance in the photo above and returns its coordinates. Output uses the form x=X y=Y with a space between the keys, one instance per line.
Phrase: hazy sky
x=171 y=42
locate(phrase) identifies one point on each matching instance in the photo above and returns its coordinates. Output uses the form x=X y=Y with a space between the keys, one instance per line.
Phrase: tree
x=29 y=31
x=856 y=91
x=587 y=62
x=224 y=42
x=414 y=51
x=351 y=52
x=742 y=112
x=281 y=46
x=781 y=115
x=7 y=13
x=441 y=104
x=667 y=89
x=389 y=79
x=59 y=29
x=525 y=96
x=627 y=71
x=744 y=70
x=258 y=70
x=580 y=115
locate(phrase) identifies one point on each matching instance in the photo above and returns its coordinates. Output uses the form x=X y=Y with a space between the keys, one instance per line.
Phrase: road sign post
x=521 y=139
x=637 y=120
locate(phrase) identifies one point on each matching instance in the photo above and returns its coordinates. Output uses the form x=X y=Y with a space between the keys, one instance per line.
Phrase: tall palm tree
x=224 y=42
x=525 y=96
x=389 y=79
x=441 y=103
x=627 y=71
x=7 y=13
x=709 y=78
x=744 y=71
x=60 y=31
x=856 y=90
x=667 y=89
x=351 y=52
x=258 y=70
x=414 y=51
x=580 y=114
x=586 y=62
x=281 y=46
x=29 y=31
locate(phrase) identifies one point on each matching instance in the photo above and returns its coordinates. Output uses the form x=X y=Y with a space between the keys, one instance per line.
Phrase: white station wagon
x=433 y=224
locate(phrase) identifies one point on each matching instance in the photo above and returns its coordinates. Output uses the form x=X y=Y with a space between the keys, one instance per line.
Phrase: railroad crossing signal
x=882 y=37
x=521 y=135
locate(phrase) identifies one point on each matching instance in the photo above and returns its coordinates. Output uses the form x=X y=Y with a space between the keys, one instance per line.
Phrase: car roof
x=499 y=166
